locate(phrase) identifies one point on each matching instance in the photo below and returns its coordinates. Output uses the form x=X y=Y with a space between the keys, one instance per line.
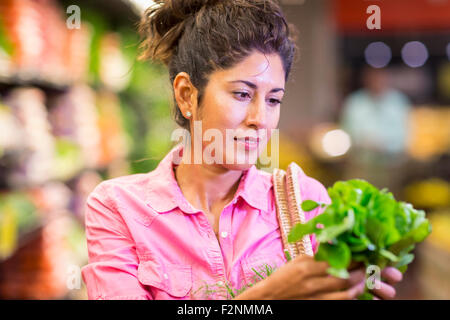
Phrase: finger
x=316 y=268
x=350 y=294
x=316 y=285
x=328 y=283
x=356 y=276
x=392 y=275
x=383 y=290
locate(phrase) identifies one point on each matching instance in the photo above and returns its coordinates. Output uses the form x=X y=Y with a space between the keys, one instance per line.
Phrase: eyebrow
x=254 y=86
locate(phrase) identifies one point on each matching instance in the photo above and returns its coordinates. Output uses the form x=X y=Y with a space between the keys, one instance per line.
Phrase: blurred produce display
x=75 y=108
x=433 y=267
x=430 y=193
x=430 y=132
x=37 y=243
x=440 y=237
x=19 y=215
x=37 y=46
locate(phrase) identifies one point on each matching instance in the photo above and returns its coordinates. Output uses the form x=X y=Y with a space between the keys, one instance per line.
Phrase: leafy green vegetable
x=363 y=224
x=287 y=255
x=309 y=205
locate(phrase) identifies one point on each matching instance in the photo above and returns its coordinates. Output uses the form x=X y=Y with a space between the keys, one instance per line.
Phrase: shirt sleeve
x=111 y=272
x=312 y=189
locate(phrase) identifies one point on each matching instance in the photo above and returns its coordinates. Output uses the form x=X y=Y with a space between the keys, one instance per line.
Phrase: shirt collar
x=164 y=194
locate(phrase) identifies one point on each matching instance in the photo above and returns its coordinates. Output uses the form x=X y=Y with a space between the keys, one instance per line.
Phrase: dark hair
x=201 y=36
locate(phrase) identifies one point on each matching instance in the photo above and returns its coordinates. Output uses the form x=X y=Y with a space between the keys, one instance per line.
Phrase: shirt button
x=166 y=276
x=224 y=234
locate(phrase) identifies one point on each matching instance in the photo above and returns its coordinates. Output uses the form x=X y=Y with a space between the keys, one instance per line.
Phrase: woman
x=189 y=229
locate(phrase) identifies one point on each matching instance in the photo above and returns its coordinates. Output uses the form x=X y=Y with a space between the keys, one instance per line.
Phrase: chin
x=241 y=165
x=238 y=167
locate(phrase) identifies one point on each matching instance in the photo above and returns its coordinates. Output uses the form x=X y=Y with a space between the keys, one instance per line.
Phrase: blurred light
x=336 y=142
x=448 y=51
x=414 y=54
x=378 y=54
x=429 y=133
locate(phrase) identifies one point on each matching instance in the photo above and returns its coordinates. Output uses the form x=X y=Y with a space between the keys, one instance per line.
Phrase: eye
x=274 y=102
x=241 y=95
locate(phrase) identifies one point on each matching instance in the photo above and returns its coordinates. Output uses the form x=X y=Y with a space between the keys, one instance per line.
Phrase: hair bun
x=187 y=7
x=163 y=24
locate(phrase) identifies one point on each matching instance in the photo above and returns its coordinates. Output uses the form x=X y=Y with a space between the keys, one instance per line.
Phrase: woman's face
x=239 y=102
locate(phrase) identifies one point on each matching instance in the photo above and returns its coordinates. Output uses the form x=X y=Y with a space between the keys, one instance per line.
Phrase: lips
x=248 y=139
x=249 y=143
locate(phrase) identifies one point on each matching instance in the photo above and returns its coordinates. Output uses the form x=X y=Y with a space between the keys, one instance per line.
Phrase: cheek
x=273 y=120
x=272 y=123
x=275 y=117
x=217 y=117
x=223 y=115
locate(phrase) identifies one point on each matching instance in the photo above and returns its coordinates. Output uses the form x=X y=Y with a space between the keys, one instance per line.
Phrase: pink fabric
x=146 y=241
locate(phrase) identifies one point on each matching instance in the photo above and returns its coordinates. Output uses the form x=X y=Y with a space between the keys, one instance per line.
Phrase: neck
x=206 y=186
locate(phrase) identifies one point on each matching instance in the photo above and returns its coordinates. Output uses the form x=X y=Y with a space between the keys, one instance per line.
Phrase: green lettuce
x=363 y=224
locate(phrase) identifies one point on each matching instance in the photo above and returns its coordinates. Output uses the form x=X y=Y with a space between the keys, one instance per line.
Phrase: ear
x=185 y=94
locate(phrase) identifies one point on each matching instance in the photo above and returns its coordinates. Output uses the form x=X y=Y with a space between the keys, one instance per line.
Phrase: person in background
x=376 y=118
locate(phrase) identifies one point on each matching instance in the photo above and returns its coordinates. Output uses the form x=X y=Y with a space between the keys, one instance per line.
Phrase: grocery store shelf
x=69 y=122
x=33 y=232
x=18 y=80
x=36 y=269
x=27 y=237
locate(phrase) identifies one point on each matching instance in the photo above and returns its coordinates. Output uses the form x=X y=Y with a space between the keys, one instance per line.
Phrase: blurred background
x=76 y=107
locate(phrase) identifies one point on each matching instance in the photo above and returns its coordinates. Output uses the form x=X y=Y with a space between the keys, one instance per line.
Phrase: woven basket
x=289 y=211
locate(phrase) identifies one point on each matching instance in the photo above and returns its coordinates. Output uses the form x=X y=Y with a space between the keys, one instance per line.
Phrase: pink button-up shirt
x=146 y=241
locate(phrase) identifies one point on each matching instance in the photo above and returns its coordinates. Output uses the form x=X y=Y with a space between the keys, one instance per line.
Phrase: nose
x=256 y=115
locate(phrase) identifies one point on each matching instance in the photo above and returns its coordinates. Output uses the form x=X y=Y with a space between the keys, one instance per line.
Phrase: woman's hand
x=305 y=278
x=386 y=290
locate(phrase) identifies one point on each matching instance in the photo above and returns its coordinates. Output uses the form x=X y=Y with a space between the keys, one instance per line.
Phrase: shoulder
x=400 y=99
x=110 y=190
x=354 y=98
x=131 y=180
x=119 y=201
x=313 y=189
x=310 y=188
x=264 y=176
